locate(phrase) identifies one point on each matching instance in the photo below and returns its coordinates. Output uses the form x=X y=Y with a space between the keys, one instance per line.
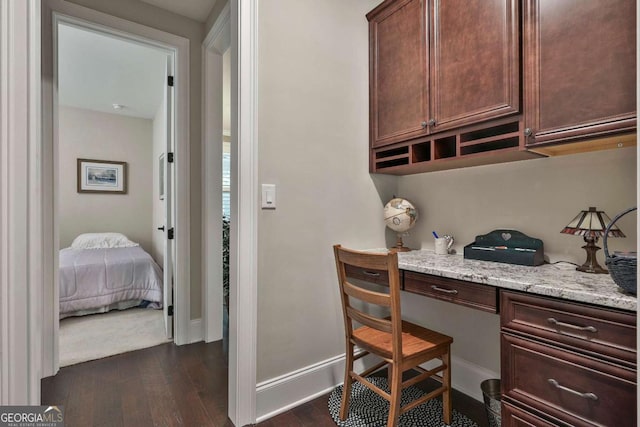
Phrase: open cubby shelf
x=448 y=150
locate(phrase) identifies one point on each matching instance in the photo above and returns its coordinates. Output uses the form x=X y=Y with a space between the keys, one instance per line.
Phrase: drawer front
x=600 y=332
x=516 y=417
x=379 y=277
x=482 y=297
x=575 y=389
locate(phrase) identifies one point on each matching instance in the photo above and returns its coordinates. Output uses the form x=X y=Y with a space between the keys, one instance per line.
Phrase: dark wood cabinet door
x=475 y=72
x=580 y=391
x=398 y=71
x=513 y=416
x=579 y=68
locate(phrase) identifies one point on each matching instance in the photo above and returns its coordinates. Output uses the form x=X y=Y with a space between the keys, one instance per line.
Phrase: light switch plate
x=268 y=196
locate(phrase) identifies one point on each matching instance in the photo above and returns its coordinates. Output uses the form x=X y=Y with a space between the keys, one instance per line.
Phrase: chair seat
x=415 y=340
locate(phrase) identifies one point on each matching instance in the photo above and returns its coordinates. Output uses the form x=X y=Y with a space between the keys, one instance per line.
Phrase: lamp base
x=591 y=264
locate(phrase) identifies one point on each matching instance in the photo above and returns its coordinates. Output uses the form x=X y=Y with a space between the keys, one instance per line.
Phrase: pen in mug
x=435 y=235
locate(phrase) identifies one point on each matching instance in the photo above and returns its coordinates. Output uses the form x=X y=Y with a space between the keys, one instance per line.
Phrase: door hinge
x=170 y=233
x=170 y=157
x=170 y=310
x=170 y=80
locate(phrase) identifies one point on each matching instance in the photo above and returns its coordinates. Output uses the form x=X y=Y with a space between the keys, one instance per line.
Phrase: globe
x=400 y=215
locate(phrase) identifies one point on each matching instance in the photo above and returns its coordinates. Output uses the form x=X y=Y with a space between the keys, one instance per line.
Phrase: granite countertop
x=555 y=280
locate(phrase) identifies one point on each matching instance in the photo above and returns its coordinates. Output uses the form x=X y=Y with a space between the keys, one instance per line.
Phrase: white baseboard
x=467 y=376
x=285 y=392
x=282 y=393
x=196 y=333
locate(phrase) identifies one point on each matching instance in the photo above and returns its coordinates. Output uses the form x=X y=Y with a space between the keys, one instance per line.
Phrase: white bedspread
x=91 y=278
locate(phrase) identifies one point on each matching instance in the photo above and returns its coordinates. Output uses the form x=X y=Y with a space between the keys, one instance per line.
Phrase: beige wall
x=89 y=134
x=313 y=115
x=538 y=197
x=146 y=14
x=213 y=15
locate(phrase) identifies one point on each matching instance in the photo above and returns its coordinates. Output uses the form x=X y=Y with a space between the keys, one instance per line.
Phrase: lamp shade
x=591 y=224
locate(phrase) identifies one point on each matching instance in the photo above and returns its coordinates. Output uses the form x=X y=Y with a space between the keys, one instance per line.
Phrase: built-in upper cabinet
x=579 y=69
x=441 y=64
x=456 y=83
x=475 y=72
x=398 y=80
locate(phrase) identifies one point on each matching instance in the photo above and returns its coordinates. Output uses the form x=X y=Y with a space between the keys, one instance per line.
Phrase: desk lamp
x=591 y=225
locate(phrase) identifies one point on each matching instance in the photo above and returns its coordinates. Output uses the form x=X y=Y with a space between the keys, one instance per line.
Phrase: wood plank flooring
x=169 y=385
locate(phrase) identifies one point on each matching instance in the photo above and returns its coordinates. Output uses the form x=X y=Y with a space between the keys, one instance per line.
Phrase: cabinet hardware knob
x=161 y=228
x=557 y=385
x=370 y=273
x=423 y=124
x=446 y=291
x=554 y=321
x=432 y=122
x=528 y=132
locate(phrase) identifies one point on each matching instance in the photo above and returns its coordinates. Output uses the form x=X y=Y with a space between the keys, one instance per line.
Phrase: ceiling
x=96 y=71
x=197 y=10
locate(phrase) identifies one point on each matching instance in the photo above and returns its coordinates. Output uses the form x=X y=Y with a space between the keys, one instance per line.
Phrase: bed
x=106 y=271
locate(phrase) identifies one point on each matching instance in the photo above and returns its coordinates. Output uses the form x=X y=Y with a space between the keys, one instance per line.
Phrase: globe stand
x=400 y=247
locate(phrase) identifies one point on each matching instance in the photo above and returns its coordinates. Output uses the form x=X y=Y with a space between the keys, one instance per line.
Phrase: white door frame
x=229 y=31
x=54 y=11
x=244 y=212
x=21 y=216
x=214 y=46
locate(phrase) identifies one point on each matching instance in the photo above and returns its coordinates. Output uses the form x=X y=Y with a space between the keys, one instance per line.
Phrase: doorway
x=114 y=121
x=176 y=49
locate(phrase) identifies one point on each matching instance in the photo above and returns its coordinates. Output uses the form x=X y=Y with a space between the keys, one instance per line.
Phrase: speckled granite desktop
x=555 y=280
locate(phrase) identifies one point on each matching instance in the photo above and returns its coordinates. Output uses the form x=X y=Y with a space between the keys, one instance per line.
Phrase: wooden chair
x=401 y=345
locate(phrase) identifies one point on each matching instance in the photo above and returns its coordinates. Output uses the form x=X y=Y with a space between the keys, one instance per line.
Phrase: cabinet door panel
x=398 y=72
x=580 y=391
x=475 y=74
x=516 y=417
x=580 y=68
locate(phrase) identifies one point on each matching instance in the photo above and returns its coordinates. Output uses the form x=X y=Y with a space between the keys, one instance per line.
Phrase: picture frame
x=161 y=166
x=102 y=176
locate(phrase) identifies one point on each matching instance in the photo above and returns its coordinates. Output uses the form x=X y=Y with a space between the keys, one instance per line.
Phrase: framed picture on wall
x=102 y=176
x=161 y=176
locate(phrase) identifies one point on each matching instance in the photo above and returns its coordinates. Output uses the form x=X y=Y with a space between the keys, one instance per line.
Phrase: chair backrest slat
x=389 y=302
x=368 y=320
x=371 y=297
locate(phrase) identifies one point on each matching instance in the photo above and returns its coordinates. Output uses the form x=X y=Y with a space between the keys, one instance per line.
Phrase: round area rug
x=368 y=409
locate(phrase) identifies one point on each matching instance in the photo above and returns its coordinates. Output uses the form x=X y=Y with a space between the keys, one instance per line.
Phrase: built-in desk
x=568 y=339
x=553 y=280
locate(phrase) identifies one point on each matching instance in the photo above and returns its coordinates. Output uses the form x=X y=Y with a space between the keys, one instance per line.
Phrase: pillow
x=102 y=240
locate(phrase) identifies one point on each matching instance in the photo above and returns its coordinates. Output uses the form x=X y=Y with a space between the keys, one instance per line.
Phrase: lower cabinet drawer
x=481 y=297
x=578 y=390
x=516 y=417
x=601 y=332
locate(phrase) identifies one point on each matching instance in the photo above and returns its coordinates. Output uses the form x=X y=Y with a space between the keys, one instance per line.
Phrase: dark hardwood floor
x=169 y=385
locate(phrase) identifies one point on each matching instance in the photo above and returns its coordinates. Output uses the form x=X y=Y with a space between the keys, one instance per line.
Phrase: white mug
x=443 y=244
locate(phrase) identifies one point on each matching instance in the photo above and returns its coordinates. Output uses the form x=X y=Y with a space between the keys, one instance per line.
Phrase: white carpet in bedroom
x=100 y=335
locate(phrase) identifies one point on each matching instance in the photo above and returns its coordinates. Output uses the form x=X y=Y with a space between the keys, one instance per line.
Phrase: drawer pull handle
x=556 y=384
x=446 y=291
x=569 y=325
x=370 y=273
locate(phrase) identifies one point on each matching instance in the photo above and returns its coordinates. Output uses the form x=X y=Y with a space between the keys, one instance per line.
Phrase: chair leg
x=446 y=381
x=346 y=388
x=396 y=395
